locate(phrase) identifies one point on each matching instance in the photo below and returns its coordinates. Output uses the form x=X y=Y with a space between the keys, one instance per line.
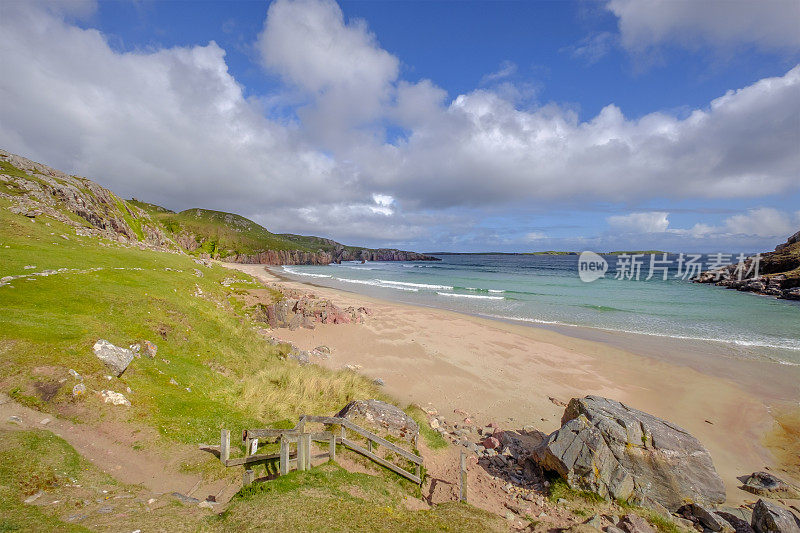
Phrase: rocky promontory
x=297 y=257
x=778 y=272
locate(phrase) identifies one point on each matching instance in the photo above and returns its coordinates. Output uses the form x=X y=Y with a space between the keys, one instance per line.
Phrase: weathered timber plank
x=355 y=447
x=252 y=459
x=383 y=442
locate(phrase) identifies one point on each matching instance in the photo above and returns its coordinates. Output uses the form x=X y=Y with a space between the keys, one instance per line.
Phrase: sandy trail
x=105 y=447
x=506 y=373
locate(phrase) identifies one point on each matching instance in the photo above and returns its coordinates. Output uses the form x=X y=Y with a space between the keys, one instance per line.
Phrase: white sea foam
x=474 y=296
x=417 y=285
x=790 y=345
x=376 y=283
x=309 y=274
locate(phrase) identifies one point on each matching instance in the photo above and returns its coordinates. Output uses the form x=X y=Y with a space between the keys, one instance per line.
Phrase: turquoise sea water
x=546 y=290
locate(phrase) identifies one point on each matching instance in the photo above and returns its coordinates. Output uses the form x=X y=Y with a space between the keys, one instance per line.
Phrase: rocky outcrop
x=616 y=451
x=306 y=311
x=115 y=358
x=50 y=192
x=382 y=415
x=778 y=272
x=770 y=517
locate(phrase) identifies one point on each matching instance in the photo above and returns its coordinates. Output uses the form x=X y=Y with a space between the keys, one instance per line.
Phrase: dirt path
x=103 y=448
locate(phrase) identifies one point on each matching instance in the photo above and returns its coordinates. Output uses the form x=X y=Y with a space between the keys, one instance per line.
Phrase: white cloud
x=593 y=47
x=535 y=236
x=769 y=24
x=482 y=150
x=173 y=126
x=762 y=222
x=648 y=222
x=507 y=68
x=341 y=65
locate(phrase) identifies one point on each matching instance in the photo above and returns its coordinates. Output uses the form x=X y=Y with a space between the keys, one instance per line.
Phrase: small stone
x=561 y=501
x=115 y=398
x=205 y=505
x=30 y=499
x=15 y=419
x=172 y=381
x=115 y=358
x=151 y=501
x=490 y=443
x=149 y=349
x=45 y=421
x=74 y=374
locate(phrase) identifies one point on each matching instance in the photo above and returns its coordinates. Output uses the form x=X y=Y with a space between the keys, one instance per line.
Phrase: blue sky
x=458 y=126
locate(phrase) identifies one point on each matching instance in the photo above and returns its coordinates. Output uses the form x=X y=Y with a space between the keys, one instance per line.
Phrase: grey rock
x=149 y=349
x=765 y=484
x=613 y=529
x=382 y=415
x=619 y=452
x=699 y=514
x=115 y=358
x=185 y=499
x=594 y=521
x=738 y=524
x=632 y=523
x=769 y=517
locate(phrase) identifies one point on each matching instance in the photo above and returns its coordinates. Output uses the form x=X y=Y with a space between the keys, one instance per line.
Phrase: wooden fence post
x=307 y=446
x=301 y=452
x=284 y=456
x=332 y=447
x=462 y=485
x=225 y=446
x=247 y=477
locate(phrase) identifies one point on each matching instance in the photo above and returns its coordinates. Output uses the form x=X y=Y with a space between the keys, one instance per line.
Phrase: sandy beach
x=508 y=373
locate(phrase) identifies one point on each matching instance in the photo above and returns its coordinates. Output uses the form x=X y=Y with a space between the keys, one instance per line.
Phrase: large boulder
x=381 y=415
x=770 y=517
x=619 y=452
x=115 y=358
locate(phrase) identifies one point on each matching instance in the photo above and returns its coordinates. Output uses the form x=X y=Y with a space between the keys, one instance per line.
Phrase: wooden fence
x=301 y=457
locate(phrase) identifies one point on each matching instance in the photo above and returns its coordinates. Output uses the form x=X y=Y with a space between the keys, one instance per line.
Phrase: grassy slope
x=227 y=233
x=235 y=377
x=205 y=343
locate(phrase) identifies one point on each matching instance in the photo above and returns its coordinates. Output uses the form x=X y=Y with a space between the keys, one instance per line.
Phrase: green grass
x=559 y=489
x=223 y=233
x=433 y=439
x=49 y=325
x=329 y=498
x=33 y=461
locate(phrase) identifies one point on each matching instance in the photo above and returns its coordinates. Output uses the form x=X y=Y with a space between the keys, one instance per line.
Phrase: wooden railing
x=301 y=457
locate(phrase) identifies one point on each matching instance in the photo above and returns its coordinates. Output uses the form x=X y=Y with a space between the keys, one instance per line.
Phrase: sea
x=547 y=291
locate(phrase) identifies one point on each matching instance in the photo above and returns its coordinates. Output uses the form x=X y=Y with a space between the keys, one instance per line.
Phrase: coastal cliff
x=296 y=257
x=778 y=273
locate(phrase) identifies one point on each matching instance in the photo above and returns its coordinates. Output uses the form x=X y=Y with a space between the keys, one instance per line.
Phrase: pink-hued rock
x=490 y=443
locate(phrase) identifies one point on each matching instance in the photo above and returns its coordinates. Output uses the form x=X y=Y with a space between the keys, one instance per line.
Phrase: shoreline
x=507 y=373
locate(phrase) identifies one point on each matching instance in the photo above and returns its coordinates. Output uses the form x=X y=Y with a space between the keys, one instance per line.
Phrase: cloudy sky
x=518 y=126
